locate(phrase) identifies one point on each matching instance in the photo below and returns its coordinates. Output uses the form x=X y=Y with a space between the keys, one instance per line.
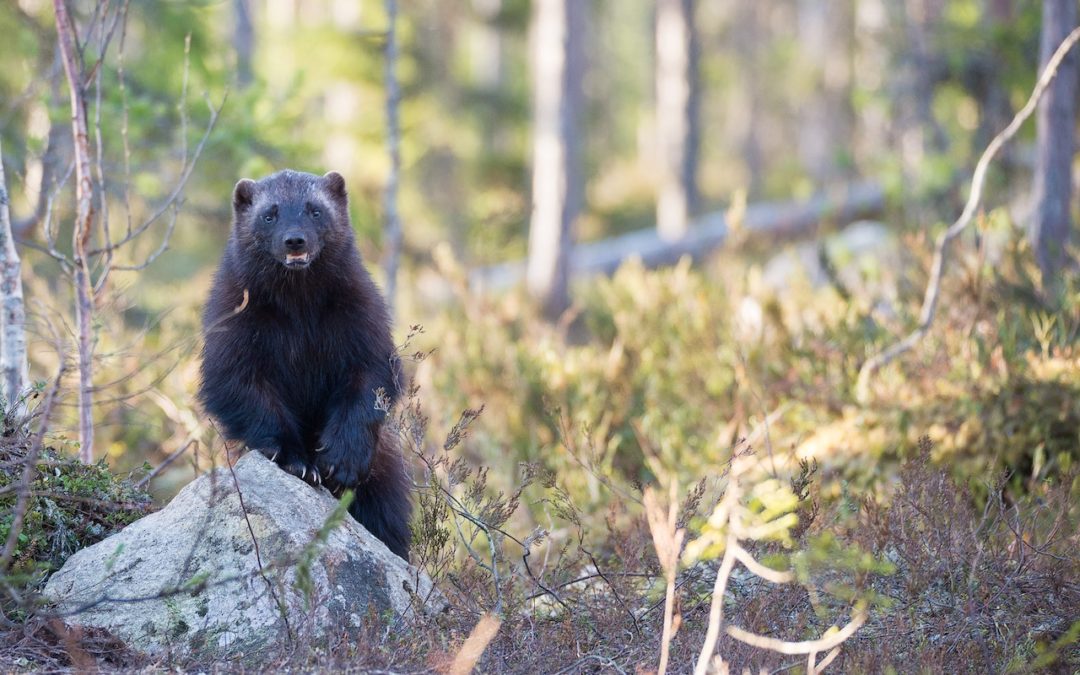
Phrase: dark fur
x=294 y=374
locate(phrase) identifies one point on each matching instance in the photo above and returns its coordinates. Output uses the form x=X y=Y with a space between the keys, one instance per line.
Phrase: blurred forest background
x=847 y=131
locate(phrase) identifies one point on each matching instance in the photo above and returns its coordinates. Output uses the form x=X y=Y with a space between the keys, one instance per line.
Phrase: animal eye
x=269 y=218
x=315 y=213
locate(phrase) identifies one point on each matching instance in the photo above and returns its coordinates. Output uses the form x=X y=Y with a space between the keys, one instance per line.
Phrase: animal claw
x=303 y=472
x=321 y=448
x=274 y=458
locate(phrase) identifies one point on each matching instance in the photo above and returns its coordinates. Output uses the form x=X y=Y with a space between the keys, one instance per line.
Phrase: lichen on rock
x=231 y=567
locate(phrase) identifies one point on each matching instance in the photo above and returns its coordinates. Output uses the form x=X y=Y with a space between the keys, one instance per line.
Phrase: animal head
x=289 y=217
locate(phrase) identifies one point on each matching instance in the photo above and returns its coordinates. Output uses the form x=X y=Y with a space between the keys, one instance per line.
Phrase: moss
x=72 y=505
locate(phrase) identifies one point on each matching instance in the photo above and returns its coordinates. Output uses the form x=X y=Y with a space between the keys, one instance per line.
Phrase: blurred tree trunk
x=825 y=38
x=982 y=77
x=921 y=74
x=916 y=64
x=1055 y=128
x=916 y=69
x=556 y=185
x=749 y=36
x=440 y=172
x=243 y=42
x=392 y=226
x=486 y=47
x=487 y=60
x=1001 y=10
x=13 y=345
x=677 y=120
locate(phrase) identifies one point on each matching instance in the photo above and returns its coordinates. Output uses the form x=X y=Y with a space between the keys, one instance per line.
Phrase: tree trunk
x=825 y=32
x=13 y=345
x=84 y=218
x=393 y=143
x=485 y=47
x=556 y=186
x=766 y=221
x=918 y=133
x=749 y=36
x=243 y=42
x=677 y=123
x=1055 y=127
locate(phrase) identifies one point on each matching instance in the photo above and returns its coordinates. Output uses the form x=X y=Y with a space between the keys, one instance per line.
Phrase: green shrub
x=71 y=506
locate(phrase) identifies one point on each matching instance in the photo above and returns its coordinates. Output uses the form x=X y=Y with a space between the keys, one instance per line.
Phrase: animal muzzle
x=297 y=253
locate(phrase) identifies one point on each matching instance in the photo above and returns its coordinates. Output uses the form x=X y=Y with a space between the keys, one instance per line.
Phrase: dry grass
x=974 y=590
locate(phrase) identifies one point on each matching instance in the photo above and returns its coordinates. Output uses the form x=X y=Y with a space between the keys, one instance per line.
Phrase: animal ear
x=243 y=194
x=335 y=186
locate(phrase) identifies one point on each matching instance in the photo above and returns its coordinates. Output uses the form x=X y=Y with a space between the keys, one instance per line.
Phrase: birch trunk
x=13 y=345
x=84 y=219
x=677 y=124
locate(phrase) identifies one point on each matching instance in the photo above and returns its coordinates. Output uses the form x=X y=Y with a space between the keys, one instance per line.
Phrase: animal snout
x=295 y=241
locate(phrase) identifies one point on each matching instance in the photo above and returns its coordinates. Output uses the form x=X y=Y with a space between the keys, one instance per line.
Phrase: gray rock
x=864 y=261
x=865 y=255
x=186 y=580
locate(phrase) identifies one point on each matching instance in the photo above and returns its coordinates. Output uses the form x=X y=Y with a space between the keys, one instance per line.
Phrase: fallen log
x=777 y=220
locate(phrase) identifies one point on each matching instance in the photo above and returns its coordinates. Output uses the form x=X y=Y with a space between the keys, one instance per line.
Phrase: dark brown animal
x=305 y=372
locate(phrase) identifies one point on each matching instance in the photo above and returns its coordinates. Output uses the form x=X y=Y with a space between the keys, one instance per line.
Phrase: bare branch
x=50 y=159
x=168 y=460
x=99 y=145
x=187 y=167
x=47 y=222
x=775 y=576
x=937 y=270
x=716 y=610
x=805 y=647
x=162 y=247
x=731 y=514
x=820 y=667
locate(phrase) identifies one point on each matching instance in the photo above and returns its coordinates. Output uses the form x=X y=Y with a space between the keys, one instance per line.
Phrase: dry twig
x=732 y=514
x=473 y=648
x=667 y=538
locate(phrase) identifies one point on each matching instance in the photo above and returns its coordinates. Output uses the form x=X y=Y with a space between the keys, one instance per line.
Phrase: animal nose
x=295 y=241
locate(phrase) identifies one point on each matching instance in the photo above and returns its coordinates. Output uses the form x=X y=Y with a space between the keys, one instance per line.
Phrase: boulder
x=865 y=256
x=231 y=568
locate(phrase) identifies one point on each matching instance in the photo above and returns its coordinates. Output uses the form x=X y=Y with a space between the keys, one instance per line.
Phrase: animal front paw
x=294 y=464
x=344 y=457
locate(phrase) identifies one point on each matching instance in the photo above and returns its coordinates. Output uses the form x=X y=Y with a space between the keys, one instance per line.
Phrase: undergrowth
x=70 y=506
x=946 y=509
